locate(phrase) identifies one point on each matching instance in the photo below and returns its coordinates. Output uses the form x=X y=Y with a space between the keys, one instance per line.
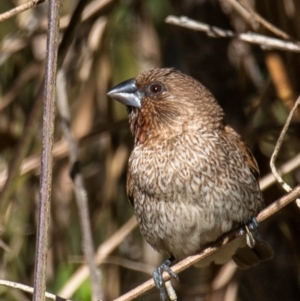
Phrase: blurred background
x=115 y=41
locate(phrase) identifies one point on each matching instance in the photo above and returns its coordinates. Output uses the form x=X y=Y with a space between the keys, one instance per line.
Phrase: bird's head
x=163 y=103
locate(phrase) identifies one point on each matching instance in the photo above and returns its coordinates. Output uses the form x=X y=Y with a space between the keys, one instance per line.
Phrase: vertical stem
x=47 y=144
x=79 y=188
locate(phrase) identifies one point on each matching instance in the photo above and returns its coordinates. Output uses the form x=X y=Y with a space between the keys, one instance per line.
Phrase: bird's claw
x=253 y=228
x=159 y=280
x=252 y=234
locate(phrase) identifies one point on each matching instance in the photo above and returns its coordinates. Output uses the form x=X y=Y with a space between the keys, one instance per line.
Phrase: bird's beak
x=127 y=93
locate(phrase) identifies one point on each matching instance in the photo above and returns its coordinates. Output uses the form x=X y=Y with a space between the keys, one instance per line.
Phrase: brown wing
x=248 y=156
x=129 y=188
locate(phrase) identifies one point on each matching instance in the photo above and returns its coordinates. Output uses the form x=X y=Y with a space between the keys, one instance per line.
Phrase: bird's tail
x=247 y=257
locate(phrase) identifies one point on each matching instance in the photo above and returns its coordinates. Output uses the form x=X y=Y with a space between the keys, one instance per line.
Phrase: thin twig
x=242 y=12
x=213 y=31
x=192 y=260
x=285 y=168
x=29 y=289
x=279 y=179
x=254 y=15
x=80 y=191
x=47 y=145
x=19 y=9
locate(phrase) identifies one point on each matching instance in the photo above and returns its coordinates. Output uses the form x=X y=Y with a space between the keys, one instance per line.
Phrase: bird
x=191 y=177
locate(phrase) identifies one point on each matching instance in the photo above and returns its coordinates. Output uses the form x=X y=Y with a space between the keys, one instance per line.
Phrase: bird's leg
x=251 y=231
x=253 y=227
x=158 y=277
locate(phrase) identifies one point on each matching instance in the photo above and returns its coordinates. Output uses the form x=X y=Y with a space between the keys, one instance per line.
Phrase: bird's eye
x=156 y=88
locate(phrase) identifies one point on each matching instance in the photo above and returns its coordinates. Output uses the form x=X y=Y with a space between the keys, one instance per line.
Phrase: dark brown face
x=162 y=101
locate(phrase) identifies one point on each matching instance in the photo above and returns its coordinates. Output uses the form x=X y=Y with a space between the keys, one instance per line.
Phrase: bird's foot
x=251 y=231
x=164 y=289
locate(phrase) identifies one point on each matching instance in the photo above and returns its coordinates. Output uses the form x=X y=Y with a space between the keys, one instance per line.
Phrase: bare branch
x=47 y=145
x=19 y=9
x=285 y=168
x=250 y=14
x=80 y=191
x=279 y=179
x=213 y=31
x=29 y=289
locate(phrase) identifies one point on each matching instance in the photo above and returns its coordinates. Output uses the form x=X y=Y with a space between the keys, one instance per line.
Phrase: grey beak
x=127 y=93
